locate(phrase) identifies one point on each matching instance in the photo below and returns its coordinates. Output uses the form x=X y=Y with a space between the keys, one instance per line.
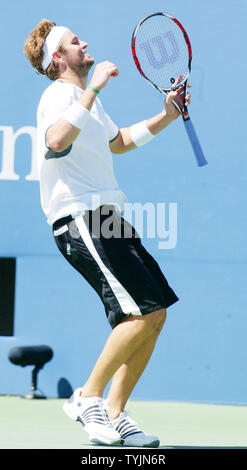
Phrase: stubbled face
x=75 y=54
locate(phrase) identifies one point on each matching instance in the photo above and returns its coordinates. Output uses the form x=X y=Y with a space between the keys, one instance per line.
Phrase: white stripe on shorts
x=126 y=302
x=61 y=230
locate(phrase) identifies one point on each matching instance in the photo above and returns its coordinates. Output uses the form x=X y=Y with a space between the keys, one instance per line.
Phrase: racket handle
x=201 y=160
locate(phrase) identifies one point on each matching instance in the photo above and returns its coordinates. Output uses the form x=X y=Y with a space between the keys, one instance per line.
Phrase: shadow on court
x=42 y=424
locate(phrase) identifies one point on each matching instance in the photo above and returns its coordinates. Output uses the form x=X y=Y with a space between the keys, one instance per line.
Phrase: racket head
x=162 y=51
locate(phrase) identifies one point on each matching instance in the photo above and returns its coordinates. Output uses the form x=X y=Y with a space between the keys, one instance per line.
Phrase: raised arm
x=127 y=136
x=65 y=130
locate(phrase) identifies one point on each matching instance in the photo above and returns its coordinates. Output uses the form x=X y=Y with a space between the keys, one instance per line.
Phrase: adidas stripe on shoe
x=131 y=435
x=91 y=413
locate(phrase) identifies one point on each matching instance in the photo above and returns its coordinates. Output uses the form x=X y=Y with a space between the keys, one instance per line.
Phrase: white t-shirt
x=81 y=177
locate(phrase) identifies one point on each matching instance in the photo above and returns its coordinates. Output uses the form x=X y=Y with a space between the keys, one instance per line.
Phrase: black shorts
x=108 y=253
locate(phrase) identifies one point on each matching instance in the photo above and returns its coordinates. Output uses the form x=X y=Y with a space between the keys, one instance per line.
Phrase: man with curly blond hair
x=79 y=195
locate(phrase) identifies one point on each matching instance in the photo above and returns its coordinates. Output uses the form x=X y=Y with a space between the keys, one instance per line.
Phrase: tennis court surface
x=42 y=424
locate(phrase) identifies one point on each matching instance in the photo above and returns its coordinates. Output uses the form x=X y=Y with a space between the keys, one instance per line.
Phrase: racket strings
x=162 y=51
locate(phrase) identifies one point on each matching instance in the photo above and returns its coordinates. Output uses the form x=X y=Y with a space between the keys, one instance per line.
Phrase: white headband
x=52 y=40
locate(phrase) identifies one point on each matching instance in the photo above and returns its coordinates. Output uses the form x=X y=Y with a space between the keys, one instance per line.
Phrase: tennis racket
x=162 y=52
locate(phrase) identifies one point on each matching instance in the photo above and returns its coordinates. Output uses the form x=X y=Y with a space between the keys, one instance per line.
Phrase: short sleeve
x=112 y=128
x=52 y=106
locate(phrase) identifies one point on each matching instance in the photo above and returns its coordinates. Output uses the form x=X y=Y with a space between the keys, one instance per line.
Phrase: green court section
x=42 y=424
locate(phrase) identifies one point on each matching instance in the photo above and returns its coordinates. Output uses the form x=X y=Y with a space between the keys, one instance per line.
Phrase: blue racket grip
x=201 y=160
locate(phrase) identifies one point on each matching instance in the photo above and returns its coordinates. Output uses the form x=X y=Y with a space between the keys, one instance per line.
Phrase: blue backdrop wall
x=201 y=353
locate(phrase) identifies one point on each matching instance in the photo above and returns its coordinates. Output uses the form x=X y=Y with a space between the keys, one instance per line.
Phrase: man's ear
x=56 y=57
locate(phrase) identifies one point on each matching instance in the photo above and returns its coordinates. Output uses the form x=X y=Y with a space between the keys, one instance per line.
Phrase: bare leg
x=129 y=373
x=122 y=343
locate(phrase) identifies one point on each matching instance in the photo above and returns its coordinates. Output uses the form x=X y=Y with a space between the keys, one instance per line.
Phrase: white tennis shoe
x=130 y=434
x=92 y=414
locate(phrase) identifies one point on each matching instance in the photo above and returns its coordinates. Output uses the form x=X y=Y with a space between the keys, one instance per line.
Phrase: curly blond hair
x=33 y=49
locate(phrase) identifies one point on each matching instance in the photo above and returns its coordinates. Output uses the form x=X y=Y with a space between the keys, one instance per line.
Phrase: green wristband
x=94 y=89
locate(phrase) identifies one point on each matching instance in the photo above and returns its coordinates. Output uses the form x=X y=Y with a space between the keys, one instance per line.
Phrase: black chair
x=36 y=356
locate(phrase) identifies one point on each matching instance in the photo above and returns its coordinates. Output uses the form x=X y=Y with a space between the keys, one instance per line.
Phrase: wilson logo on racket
x=166 y=56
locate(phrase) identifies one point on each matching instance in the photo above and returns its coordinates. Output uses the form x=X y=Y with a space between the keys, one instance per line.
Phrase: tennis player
x=76 y=139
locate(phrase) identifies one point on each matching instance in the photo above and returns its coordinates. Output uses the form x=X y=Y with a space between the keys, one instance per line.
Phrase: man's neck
x=73 y=78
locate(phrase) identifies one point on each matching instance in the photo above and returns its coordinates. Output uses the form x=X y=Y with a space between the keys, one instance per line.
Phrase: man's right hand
x=102 y=72
x=62 y=134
